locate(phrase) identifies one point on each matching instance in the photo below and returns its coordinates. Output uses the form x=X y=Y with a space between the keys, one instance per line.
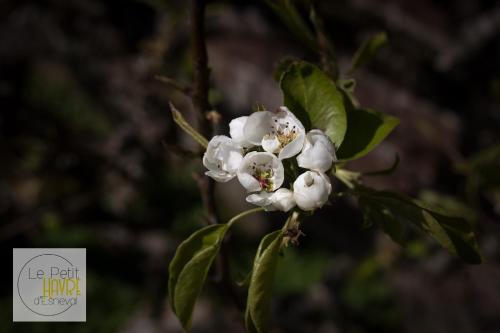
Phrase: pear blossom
x=261 y=171
x=278 y=132
x=318 y=153
x=311 y=190
x=236 y=131
x=222 y=158
x=282 y=200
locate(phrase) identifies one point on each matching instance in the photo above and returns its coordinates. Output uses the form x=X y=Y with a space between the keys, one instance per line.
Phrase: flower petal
x=257 y=125
x=261 y=199
x=271 y=144
x=293 y=148
x=283 y=199
x=236 y=131
x=222 y=177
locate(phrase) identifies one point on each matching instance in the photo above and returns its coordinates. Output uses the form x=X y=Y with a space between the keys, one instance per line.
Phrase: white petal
x=248 y=182
x=260 y=199
x=279 y=173
x=293 y=148
x=271 y=144
x=286 y=113
x=236 y=131
x=219 y=176
x=257 y=125
x=283 y=199
x=233 y=161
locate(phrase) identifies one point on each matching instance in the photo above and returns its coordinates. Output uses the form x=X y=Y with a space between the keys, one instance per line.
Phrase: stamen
x=264 y=177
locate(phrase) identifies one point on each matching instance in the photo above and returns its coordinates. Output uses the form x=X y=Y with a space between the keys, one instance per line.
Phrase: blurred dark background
x=89 y=157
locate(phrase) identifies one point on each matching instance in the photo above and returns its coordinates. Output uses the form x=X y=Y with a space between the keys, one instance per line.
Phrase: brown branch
x=200 y=98
x=201 y=72
x=206 y=124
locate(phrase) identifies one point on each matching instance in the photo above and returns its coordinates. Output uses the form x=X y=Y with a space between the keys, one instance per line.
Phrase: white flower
x=222 y=158
x=261 y=171
x=278 y=132
x=236 y=131
x=311 y=190
x=318 y=153
x=282 y=200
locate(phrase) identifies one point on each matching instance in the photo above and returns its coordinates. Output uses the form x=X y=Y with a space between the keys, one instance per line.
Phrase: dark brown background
x=82 y=162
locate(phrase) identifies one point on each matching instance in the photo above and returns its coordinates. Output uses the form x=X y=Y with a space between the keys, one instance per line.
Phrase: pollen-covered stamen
x=284 y=132
x=264 y=174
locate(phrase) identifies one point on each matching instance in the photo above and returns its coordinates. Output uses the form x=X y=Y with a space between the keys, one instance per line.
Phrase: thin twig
x=180 y=150
x=326 y=49
x=174 y=84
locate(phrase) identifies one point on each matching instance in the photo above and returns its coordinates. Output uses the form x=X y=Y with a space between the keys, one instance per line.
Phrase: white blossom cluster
x=255 y=152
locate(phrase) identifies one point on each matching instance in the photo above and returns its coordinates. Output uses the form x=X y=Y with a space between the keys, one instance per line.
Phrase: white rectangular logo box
x=49 y=284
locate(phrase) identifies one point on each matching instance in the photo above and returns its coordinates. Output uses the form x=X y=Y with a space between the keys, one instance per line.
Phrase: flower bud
x=318 y=153
x=311 y=190
x=222 y=158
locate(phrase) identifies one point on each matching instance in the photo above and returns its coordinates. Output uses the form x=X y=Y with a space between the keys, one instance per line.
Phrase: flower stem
x=349 y=178
x=243 y=214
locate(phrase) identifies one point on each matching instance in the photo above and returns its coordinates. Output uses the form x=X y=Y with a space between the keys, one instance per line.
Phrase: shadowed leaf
x=189 y=268
x=366 y=129
x=453 y=233
x=261 y=283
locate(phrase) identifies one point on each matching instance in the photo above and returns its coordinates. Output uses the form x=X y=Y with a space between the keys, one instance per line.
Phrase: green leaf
x=282 y=66
x=179 y=120
x=452 y=232
x=386 y=171
x=450 y=204
x=290 y=16
x=367 y=50
x=367 y=128
x=261 y=283
x=380 y=215
x=189 y=268
x=314 y=99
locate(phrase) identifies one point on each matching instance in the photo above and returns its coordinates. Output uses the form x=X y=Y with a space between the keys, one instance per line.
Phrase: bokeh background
x=89 y=157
